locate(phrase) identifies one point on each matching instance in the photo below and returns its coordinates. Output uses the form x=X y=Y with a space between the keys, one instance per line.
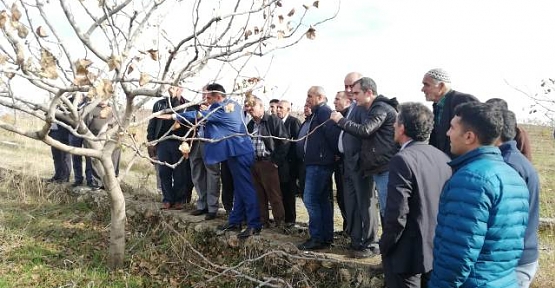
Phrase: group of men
x=456 y=197
x=97 y=120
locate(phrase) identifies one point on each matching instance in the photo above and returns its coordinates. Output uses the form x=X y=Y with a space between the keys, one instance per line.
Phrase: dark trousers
x=175 y=182
x=62 y=160
x=245 y=202
x=227 y=186
x=338 y=178
x=266 y=182
x=403 y=280
x=288 y=197
x=302 y=178
x=78 y=162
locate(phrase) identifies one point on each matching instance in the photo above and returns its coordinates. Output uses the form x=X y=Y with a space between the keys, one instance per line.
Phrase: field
x=48 y=238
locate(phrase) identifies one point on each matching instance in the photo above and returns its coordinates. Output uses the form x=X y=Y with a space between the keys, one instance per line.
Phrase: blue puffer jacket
x=483 y=211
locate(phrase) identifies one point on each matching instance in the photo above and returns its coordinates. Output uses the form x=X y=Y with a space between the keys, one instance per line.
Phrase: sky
x=483 y=45
x=486 y=46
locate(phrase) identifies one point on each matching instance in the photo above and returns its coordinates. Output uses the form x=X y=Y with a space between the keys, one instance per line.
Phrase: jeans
x=525 y=274
x=381 y=185
x=318 y=203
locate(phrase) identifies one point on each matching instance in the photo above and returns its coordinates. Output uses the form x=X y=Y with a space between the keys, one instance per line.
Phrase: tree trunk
x=116 y=249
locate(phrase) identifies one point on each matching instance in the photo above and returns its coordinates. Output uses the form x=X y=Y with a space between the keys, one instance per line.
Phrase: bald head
x=349 y=81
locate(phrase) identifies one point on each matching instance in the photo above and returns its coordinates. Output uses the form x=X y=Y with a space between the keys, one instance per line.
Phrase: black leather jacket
x=377 y=133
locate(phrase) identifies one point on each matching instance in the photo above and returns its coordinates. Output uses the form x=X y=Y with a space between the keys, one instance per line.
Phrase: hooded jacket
x=377 y=133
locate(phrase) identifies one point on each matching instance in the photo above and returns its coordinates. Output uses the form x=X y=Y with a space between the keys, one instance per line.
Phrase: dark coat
x=271 y=125
x=158 y=127
x=439 y=138
x=292 y=125
x=416 y=177
x=377 y=133
x=516 y=159
x=322 y=142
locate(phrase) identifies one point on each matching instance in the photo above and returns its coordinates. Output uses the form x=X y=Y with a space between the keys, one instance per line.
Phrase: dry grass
x=25 y=204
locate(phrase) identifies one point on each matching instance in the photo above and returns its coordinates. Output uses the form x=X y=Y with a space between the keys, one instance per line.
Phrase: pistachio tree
x=127 y=52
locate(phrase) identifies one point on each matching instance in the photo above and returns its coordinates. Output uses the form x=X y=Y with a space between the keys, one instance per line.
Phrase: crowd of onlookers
x=452 y=187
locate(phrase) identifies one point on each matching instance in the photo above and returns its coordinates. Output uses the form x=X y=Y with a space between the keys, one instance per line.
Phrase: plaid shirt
x=257 y=142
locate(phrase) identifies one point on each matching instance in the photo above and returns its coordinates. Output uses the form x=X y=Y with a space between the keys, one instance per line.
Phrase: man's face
x=349 y=80
x=361 y=97
x=208 y=97
x=458 y=137
x=273 y=108
x=340 y=102
x=399 y=131
x=432 y=91
x=283 y=110
x=257 y=110
x=307 y=110
x=312 y=99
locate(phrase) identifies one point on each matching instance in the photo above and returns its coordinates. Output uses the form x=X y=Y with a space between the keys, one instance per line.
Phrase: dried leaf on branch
x=144 y=79
x=22 y=31
x=3 y=59
x=3 y=19
x=48 y=65
x=114 y=62
x=16 y=14
x=311 y=33
x=41 y=32
x=291 y=13
x=316 y=3
x=153 y=54
x=103 y=89
x=82 y=65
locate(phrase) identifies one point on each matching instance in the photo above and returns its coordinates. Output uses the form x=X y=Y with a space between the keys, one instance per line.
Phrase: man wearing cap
x=436 y=86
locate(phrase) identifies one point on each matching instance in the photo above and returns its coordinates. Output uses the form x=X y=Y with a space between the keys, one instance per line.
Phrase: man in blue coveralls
x=224 y=126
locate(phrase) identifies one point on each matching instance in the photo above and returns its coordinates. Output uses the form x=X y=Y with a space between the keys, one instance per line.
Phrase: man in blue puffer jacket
x=483 y=209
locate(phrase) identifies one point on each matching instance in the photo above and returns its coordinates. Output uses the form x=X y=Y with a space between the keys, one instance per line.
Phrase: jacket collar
x=472 y=155
x=508 y=146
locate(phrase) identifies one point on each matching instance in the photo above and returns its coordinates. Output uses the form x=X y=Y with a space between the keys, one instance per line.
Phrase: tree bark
x=116 y=248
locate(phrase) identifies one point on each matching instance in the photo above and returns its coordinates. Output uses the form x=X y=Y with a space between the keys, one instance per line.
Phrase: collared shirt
x=284 y=118
x=340 y=142
x=301 y=144
x=405 y=144
x=258 y=144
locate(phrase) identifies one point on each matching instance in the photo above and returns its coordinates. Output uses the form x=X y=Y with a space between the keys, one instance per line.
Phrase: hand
x=151 y=151
x=203 y=106
x=336 y=116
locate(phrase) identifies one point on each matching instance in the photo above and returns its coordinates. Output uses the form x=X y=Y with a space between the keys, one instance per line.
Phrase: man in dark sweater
x=528 y=263
x=436 y=86
x=320 y=149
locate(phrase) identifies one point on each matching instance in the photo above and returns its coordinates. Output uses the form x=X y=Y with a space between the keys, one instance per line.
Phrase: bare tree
x=127 y=52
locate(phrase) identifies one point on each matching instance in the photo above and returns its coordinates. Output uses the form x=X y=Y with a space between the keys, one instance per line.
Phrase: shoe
x=90 y=184
x=249 y=232
x=363 y=253
x=77 y=184
x=166 y=206
x=199 y=212
x=229 y=227
x=177 y=206
x=312 y=244
x=210 y=216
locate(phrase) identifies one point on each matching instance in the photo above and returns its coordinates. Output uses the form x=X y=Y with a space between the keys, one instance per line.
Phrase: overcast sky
x=481 y=43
